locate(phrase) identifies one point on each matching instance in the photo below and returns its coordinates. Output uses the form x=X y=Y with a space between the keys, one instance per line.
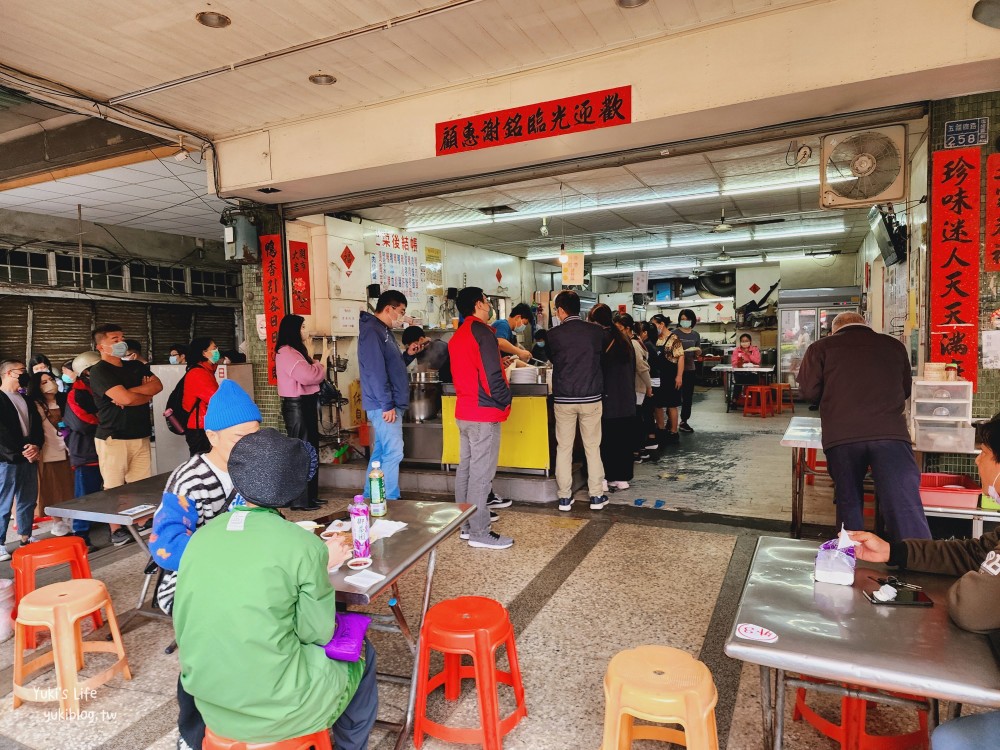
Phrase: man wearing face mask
x=178 y=355
x=20 y=442
x=385 y=386
x=122 y=393
x=508 y=330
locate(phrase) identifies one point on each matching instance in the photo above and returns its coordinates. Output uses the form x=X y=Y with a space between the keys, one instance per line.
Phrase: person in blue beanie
x=197 y=491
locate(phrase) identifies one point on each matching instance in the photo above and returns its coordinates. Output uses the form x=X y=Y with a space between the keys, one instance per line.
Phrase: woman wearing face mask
x=68 y=376
x=199 y=386
x=643 y=384
x=691 y=340
x=746 y=354
x=974 y=599
x=670 y=352
x=538 y=351
x=55 y=476
x=41 y=363
x=298 y=386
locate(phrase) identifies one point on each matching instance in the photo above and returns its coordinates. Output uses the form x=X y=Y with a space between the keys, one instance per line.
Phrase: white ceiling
x=159 y=195
x=682 y=220
x=388 y=49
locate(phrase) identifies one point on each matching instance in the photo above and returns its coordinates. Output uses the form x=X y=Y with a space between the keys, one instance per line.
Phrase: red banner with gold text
x=298 y=267
x=955 y=258
x=991 y=256
x=273 y=283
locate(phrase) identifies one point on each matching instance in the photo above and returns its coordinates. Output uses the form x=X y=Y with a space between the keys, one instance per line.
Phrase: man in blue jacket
x=385 y=387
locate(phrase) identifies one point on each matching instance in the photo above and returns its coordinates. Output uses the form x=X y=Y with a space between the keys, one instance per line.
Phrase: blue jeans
x=86 y=480
x=968 y=733
x=387 y=449
x=18 y=482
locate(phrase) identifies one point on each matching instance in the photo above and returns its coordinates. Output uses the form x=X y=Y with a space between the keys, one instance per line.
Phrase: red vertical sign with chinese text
x=955 y=221
x=991 y=257
x=298 y=262
x=273 y=282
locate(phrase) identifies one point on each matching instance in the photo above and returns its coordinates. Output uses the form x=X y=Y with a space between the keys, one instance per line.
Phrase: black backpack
x=175 y=414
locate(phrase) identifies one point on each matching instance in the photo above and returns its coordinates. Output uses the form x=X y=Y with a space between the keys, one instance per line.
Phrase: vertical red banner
x=298 y=266
x=991 y=256
x=955 y=258
x=273 y=283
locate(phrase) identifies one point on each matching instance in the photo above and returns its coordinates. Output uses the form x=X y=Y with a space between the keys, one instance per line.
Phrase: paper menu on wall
x=991 y=350
x=346 y=319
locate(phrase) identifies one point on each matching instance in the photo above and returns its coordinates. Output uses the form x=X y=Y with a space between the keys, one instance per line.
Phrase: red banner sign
x=574 y=114
x=298 y=261
x=954 y=258
x=992 y=255
x=273 y=282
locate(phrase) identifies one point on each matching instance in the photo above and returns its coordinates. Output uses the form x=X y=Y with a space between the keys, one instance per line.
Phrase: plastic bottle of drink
x=376 y=489
x=359 y=527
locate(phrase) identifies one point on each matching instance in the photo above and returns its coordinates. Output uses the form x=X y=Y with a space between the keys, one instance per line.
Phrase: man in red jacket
x=483 y=403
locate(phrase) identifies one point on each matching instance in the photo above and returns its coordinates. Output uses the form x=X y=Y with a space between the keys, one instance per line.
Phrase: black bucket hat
x=271 y=470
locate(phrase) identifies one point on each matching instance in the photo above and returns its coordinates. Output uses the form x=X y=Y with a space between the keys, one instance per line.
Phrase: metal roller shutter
x=131 y=316
x=13 y=327
x=171 y=325
x=219 y=323
x=60 y=329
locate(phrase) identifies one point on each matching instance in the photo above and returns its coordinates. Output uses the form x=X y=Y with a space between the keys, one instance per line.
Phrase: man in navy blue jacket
x=385 y=386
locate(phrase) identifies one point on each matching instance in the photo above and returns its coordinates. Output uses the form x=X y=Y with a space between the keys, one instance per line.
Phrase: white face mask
x=49 y=388
x=174 y=359
x=992 y=490
x=520 y=328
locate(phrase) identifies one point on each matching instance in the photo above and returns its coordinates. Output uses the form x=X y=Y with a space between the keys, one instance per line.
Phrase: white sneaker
x=618 y=485
x=4 y=554
x=492 y=541
x=60 y=528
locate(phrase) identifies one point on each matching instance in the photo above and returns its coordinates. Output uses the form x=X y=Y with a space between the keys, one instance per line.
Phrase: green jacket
x=254 y=608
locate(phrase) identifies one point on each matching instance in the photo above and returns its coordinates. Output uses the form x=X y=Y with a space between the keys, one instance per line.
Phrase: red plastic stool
x=851 y=732
x=317 y=741
x=475 y=626
x=778 y=391
x=813 y=463
x=758 y=401
x=30 y=558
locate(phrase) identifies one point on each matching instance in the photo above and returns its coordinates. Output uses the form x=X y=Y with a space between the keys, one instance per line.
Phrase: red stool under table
x=317 y=741
x=758 y=401
x=474 y=626
x=30 y=558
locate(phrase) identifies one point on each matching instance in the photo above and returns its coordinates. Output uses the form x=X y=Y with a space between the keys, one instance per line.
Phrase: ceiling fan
x=723 y=226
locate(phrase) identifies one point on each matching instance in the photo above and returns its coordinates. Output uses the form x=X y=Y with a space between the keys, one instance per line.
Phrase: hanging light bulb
x=563 y=257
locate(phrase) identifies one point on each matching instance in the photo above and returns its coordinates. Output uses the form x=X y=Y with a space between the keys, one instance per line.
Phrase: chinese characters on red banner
x=954 y=258
x=298 y=263
x=273 y=282
x=396 y=263
x=992 y=254
x=574 y=114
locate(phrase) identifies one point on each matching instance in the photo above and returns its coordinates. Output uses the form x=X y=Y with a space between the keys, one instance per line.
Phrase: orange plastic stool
x=851 y=732
x=662 y=685
x=758 y=401
x=29 y=559
x=316 y=741
x=59 y=607
x=474 y=626
x=778 y=391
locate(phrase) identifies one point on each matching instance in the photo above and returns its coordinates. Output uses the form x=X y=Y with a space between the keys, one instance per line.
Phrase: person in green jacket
x=254 y=608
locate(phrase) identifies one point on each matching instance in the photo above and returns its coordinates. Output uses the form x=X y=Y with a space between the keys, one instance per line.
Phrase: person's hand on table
x=871 y=549
x=389 y=416
x=339 y=549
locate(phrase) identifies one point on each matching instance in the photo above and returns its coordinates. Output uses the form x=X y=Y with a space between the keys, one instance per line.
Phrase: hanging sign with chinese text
x=955 y=220
x=574 y=114
x=572 y=270
x=992 y=255
x=298 y=260
x=272 y=280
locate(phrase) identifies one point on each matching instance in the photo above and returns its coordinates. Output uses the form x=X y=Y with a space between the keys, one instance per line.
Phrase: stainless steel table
x=833 y=633
x=106 y=506
x=427 y=525
x=763 y=373
x=801 y=435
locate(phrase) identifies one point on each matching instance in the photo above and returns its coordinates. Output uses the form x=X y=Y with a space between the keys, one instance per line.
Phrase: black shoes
x=685 y=427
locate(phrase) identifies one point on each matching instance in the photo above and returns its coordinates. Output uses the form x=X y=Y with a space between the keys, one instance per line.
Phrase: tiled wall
x=986 y=402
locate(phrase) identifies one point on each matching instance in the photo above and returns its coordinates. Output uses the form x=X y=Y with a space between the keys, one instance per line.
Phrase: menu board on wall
x=433 y=272
x=954 y=258
x=991 y=259
x=273 y=284
x=396 y=262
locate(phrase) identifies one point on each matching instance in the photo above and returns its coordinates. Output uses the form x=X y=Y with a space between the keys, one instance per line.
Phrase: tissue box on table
x=835 y=562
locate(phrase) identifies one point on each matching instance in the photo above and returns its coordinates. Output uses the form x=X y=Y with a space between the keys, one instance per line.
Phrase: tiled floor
x=580 y=587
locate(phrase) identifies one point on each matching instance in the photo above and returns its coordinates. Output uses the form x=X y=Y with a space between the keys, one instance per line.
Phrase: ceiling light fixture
x=563 y=257
x=987 y=12
x=212 y=19
x=544 y=231
x=322 y=79
x=773 y=255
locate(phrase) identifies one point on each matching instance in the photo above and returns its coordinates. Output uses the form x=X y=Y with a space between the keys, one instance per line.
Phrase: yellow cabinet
x=524 y=437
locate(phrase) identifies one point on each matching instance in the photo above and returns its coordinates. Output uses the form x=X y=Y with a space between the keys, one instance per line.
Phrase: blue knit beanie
x=230 y=405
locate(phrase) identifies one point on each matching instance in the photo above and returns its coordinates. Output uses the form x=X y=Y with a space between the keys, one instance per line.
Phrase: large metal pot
x=425 y=396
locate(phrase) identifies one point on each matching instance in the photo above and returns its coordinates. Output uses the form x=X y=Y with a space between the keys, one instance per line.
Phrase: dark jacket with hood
x=80 y=416
x=575 y=348
x=384 y=383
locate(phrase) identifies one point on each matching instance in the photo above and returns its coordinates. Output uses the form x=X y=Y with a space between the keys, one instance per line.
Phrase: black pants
x=301 y=416
x=687 y=394
x=617 y=441
x=197 y=441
